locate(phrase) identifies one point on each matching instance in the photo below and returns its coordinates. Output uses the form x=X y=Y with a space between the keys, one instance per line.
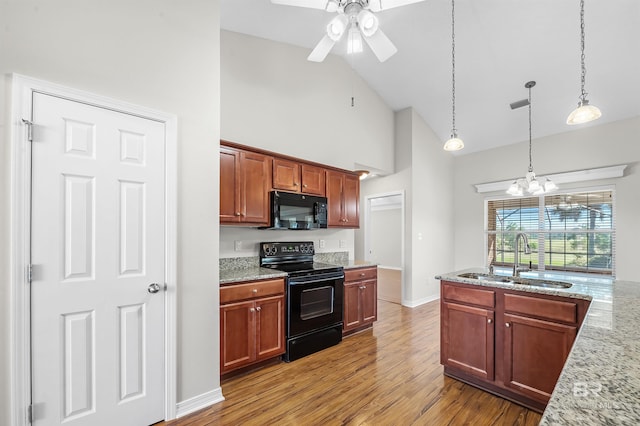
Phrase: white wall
x=273 y=98
x=425 y=173
x=587 y=147
x=160 y=54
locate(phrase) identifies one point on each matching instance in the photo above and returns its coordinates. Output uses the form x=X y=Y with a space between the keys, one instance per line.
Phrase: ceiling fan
x=357 y=19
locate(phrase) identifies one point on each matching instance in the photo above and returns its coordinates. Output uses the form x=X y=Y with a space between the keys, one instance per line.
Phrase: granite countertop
x=233 y=276
x=600 y=382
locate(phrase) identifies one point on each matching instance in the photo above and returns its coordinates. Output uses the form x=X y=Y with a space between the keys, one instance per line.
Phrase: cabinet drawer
x=556 y=310
x=251 y=290
x=474 y=296
x=360 y=274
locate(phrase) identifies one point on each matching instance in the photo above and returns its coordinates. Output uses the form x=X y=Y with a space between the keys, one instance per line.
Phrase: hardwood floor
x=390 y=375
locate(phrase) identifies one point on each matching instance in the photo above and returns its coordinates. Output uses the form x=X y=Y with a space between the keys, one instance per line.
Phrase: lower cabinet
x=251 y=323
x=510 y=343
x=360 y=299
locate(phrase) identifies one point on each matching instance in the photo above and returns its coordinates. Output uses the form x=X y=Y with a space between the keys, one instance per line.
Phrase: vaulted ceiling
x=500 y=45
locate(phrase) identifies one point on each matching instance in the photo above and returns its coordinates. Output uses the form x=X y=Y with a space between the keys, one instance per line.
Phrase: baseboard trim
x=199 y=402
x=415 y=303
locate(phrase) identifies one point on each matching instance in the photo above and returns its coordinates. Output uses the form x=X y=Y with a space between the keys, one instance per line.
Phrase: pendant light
x=454 y=143
x=584 y=112
x=529 y=182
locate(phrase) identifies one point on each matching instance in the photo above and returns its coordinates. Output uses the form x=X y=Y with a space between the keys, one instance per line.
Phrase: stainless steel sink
x=515 y=280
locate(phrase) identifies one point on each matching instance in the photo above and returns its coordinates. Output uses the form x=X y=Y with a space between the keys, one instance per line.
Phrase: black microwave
x=297 y=211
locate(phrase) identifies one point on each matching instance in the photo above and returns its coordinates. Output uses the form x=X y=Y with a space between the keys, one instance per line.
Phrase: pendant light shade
x=454 y=143
x=530 y=183
x=584 y=112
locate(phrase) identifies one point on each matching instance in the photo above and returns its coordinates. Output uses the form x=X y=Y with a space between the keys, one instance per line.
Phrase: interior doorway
x=384 y=242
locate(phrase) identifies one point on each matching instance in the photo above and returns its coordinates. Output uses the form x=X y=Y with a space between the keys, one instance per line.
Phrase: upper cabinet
x=343 y=199
x=293 y=176
x=245 y=180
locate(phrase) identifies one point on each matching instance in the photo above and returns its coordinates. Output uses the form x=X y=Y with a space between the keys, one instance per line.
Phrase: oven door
x=314 y=302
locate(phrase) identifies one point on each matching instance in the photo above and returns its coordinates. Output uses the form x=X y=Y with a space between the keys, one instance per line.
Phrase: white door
x=97 y=245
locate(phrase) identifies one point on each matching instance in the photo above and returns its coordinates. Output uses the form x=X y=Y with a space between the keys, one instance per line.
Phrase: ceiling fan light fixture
x=367 y=22
x=584 y=113
x=336 y=27
x=354 y=44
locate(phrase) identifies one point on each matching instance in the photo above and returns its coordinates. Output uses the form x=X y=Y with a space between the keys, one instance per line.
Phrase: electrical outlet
x=343 y=243
x=237 y=245
x=322 y=243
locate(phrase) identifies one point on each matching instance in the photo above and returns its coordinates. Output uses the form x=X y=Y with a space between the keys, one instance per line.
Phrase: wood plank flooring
x=390 y=375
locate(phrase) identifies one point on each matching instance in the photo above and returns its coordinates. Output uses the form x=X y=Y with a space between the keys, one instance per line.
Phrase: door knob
x=153 y=288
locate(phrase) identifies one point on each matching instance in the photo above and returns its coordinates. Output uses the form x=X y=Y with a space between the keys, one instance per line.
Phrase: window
x=567 y=232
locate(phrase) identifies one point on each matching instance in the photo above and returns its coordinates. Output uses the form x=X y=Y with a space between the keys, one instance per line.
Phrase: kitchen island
x=600 y=381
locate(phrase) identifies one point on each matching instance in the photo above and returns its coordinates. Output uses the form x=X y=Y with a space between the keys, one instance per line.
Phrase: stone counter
x=600 y=381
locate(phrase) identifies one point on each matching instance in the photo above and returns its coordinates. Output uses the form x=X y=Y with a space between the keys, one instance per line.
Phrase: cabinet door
x=467 y=339
x=269 y=327
x=369 y=301
x=286 y=175
x=334 y=198
x=255 y=181
x=352 y=316
x=351 y=202
x=534 y=354
x=229 y=188
x=237 y=335
x=313 y=180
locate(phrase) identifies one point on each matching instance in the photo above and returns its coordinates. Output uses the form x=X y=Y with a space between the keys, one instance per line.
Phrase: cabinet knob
x=305 y=185
x=237 y=213
x=507 y=325
x=258 y=308
x=252 y=310
x=295 y=183
x=489 y=320
x=255 y=290
x=362 y=274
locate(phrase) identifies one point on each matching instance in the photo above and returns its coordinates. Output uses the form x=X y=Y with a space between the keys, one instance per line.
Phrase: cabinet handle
x=507 y=325
x=489 y=320
x=258 y=308
x=252 y=310
x=255 y=290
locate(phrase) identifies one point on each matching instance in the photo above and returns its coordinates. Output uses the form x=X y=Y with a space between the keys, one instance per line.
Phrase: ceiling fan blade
x=321 y=50
x=312 y=4
x=378 y=5
x=381 y=45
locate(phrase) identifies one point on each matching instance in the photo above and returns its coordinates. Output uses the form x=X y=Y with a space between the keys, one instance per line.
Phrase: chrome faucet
x=516 y=257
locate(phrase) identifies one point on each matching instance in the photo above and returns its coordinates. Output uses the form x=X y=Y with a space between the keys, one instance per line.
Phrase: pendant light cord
x=453 y=68
x=583 y=73
x=530 y=162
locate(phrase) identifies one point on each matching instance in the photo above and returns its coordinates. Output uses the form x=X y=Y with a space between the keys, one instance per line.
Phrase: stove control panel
x=278 y=249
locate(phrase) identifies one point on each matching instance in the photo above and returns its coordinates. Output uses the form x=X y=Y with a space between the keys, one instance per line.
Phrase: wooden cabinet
x=251 y=323
x=510 y=343
x=360 y=299
x=298 y=177
x=468 y=330
x=343 y=199
x=535 y=349
x=245 y=180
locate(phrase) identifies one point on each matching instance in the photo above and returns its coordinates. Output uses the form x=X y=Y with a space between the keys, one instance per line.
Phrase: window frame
x=542 y=233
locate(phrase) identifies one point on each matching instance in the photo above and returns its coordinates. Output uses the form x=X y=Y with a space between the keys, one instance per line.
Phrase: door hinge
x=29 y=273
x=30 y=414
x=29 y=125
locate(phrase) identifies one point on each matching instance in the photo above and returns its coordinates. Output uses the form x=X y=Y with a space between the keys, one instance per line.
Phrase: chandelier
x=530 y=182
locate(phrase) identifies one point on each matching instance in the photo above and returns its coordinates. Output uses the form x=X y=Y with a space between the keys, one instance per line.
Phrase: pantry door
x=98 y=256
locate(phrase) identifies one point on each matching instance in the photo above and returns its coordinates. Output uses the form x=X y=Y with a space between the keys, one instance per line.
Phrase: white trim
x=199 y=402
x=367 y=230
x=21 y=93
x=567 y=177
x=416 y=303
